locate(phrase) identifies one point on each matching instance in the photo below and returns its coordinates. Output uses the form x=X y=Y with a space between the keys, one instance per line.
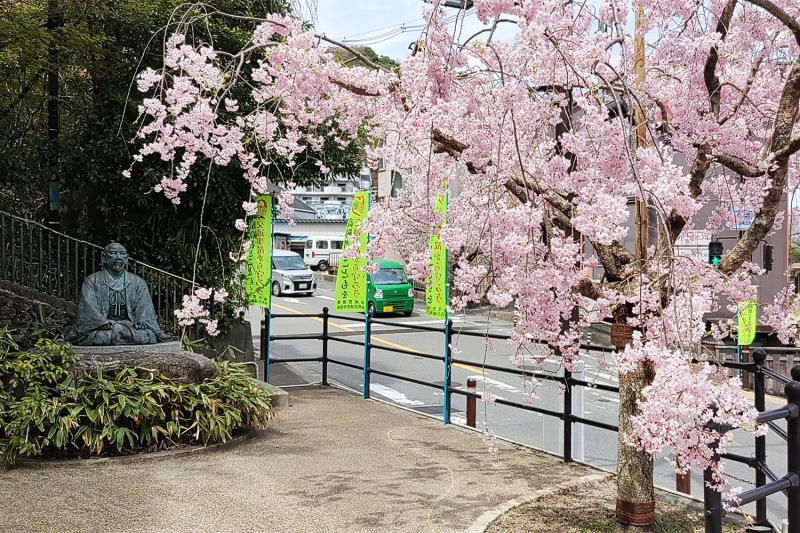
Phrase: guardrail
x=446 y=358
x=39 y=258
x=790 y=483
x=573 y=385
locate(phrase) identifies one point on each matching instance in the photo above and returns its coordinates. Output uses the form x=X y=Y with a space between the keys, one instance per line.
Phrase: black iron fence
x=34 y=256
x=789 y=483
x=446 y=357
x=766 y=481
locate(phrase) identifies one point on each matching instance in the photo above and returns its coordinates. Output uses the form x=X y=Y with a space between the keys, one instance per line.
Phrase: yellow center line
x=375 y=338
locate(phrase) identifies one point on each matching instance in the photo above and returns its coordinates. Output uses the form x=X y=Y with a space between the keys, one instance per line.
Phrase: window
x=306 y=198
x=309 y=244
x=322 y=245
x=336 y=245
x=341 y=199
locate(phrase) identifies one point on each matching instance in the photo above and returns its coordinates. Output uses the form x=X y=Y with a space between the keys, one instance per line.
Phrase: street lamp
x=459 y=4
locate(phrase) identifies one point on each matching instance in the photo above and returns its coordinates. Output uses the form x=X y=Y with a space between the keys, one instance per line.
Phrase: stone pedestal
x=165 y=358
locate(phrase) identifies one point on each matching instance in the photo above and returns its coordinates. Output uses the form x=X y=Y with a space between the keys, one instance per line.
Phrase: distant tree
x=348 y=58
x=101 y=46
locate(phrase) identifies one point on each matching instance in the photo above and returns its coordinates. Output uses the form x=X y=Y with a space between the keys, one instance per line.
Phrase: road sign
x=744 y=219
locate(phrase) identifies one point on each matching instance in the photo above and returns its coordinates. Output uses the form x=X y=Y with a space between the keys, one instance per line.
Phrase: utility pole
x=53 y=182
x=641 y=135
x=635 y=493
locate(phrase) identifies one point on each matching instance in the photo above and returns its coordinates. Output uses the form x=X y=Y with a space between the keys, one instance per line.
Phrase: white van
x=290 y=275
x=318 y=251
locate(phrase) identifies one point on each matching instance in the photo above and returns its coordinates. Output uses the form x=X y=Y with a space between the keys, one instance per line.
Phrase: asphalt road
x=424 y=362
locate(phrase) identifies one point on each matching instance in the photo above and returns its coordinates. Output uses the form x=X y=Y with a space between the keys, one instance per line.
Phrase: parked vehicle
x=290 y=275
x=389 y=290
x=318 y=250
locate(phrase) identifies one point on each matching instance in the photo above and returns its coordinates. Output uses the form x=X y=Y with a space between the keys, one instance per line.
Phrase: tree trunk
x=635 y=510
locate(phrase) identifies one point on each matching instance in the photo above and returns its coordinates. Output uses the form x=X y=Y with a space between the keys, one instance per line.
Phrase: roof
x=297 y=204
x=284 y=253
x=385 y=263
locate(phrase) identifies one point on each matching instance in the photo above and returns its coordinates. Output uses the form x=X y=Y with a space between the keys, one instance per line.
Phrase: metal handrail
x=48 y=261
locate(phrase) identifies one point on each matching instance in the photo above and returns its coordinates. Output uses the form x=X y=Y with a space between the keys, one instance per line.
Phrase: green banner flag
x=746 y=322
x=351 y=279
x=436 y=286
x=258 y=277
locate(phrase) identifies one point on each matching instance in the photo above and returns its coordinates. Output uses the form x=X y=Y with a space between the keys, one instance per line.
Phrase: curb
x=480 y=525
x=137 y=458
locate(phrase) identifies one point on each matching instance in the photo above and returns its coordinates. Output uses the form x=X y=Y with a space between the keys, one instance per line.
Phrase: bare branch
x=353 y=51
x=353 y=89
x=709 y=71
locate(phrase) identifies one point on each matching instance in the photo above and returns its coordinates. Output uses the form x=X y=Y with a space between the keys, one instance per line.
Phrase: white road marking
x=293 y=301
x=393 y=395
x=325 y=297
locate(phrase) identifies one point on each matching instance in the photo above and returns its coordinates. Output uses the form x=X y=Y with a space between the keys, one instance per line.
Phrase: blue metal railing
x=713 y=504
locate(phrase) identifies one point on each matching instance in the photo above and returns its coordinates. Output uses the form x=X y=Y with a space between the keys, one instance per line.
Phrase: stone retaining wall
x=21 y=310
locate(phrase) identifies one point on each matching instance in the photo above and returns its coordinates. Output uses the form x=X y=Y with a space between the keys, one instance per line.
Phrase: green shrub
x=43 y=411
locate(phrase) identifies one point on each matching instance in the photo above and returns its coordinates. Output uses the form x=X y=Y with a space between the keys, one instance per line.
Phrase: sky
x=388 y=27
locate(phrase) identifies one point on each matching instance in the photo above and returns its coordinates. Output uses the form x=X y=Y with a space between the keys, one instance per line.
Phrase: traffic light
x=766 y=258
x=714 y=252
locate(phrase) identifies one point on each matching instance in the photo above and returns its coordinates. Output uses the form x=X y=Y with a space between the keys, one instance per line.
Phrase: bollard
x=683 y=482
x=471 y=386
x=263 y=348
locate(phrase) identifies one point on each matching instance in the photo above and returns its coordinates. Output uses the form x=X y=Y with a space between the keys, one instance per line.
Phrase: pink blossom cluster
x=532 y=219
x=194 y=309
x=684 y=398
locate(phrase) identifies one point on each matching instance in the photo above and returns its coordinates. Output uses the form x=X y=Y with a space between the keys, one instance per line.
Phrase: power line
x=396 y=30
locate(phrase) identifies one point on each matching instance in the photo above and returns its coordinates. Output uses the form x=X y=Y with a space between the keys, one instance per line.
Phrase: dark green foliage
x=101 y=47
x=43 y=411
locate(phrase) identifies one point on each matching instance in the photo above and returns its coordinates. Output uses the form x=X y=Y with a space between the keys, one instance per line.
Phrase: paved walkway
x=330 y=462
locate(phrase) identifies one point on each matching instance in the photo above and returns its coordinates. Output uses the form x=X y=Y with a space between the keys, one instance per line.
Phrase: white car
x=290 y=275
x=318 y=251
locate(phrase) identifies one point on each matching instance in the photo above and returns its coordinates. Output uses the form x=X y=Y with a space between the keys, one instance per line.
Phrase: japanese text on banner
x=351 y=280
x=258 y=276
x=436 y=286
x=746 y=322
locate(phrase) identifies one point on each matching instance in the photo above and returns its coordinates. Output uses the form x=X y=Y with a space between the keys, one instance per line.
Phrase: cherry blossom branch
x=738 y=165
x=743 y=93
x=709 y=71
x=784 y=17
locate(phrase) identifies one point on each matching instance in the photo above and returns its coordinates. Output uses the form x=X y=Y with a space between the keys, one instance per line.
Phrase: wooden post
x=641 y=137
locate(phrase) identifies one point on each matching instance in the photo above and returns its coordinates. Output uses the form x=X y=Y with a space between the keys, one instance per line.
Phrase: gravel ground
x=591 y=509
x=331 y=462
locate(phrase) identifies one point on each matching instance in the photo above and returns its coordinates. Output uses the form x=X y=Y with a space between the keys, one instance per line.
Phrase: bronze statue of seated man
x=115 y=307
